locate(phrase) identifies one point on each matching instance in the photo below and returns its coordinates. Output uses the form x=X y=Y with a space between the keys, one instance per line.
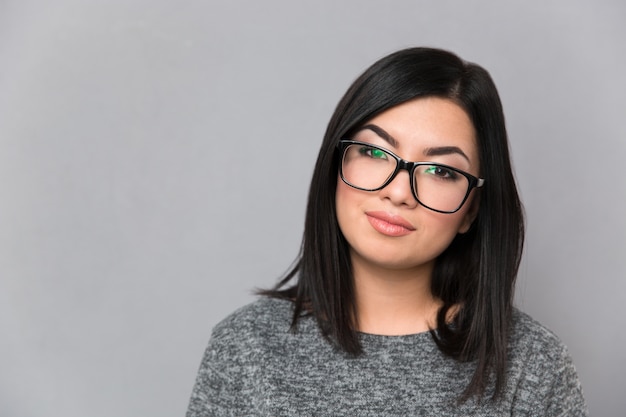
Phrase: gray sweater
x=254 y=366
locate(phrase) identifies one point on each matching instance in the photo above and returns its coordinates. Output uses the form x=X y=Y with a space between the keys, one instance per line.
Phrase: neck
x=394 y=302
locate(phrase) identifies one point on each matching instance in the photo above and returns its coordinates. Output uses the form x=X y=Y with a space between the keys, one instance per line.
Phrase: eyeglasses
x=438 y=187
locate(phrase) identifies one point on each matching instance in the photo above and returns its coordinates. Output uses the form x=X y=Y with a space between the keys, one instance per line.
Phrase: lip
x=389 y=224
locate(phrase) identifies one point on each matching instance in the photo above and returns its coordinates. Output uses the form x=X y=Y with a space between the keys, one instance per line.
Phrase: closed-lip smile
x=389 y=224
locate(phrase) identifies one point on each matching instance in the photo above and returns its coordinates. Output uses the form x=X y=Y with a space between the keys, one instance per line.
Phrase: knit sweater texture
x=255 y=366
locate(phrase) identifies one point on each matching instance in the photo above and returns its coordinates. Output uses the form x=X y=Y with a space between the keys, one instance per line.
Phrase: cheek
x=460 y=223
x=349 y=208
x=443 y=228
x=469 y=212
x=344 y=201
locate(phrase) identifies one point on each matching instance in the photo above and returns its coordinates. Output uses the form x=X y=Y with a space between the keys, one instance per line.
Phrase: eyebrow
x=445 y=150
x=434 y=151
x=382 y=133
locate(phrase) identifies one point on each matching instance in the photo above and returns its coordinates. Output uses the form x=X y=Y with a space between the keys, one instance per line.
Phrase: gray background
x=155 y=157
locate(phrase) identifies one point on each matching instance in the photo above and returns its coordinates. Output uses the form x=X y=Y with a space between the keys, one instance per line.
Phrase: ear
x=471 y=214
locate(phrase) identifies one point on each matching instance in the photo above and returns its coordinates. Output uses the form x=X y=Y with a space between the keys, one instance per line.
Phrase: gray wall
x=141 y=198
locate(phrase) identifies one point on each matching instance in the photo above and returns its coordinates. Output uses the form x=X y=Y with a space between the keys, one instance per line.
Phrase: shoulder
x=232 y=361
x=528 y=332
x=263 y=316
x=241 y=338
x=260 y=326
x=544 y=378
x=262 y=312
x=535 y=346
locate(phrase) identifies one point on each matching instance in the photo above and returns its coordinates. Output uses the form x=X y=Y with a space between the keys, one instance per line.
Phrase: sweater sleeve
x=565 y=395
x=214 y=392
x=227 y=383
x=550 y=387
x=543 y=378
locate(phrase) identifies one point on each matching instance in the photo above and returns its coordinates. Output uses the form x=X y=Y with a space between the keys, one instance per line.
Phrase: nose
x=398 y=191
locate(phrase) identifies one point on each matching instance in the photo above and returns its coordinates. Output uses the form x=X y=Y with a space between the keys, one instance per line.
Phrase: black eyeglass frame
x=401 y=164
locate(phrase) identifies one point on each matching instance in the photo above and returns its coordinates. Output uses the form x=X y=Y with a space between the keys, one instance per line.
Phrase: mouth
x=389 y=224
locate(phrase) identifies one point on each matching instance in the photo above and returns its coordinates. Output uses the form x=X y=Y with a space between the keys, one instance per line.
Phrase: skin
x=393 y=265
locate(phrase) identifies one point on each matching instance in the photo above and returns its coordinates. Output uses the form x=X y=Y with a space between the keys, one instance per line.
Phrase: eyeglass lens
x=437 y=187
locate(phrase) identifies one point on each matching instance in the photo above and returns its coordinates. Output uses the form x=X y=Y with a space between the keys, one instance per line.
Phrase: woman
x=400 y=302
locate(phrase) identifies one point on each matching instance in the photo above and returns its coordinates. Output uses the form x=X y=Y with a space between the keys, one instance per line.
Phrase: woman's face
x=388 y=228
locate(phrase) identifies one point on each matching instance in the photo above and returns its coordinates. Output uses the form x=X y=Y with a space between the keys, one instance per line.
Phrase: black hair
x=476 y=272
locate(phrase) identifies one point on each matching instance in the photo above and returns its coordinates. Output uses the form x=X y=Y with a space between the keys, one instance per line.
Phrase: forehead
x=426 y=123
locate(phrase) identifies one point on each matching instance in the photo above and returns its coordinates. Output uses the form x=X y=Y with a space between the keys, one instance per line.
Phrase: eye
x=373 y=153
x=441 y=172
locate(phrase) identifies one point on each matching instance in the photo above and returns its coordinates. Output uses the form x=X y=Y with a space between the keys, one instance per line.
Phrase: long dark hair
x=476 y=272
